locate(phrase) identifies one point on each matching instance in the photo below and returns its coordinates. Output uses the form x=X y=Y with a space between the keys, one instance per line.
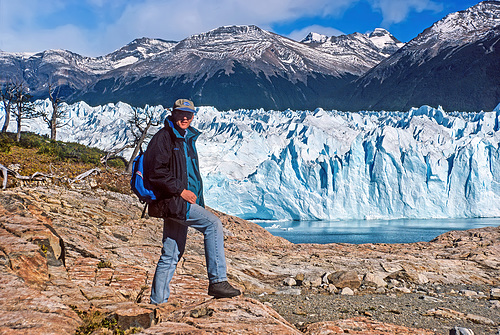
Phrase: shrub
x=71 y=152
x=117 y=162
x=6 y=142
x=30 y=140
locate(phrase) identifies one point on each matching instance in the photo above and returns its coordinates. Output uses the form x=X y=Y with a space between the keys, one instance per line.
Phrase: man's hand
x=188 y=196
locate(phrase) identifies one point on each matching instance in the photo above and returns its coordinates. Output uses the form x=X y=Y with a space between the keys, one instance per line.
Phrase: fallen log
x=39 y=176
x=85 y=174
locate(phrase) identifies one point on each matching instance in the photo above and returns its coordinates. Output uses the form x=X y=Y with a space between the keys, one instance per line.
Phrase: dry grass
x=28 y=161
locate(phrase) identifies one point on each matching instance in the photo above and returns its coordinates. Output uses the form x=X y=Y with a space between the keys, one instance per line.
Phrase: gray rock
x=299 y=278
x=468 y=293
x=290 y=291
x=430 y=299
x=495 y=293
x=347 y=291
x=316 y=282
x=289 y=282
x=332 y=288
x=374 y=280
x=480 y=319
x=461 y=331
x=343 y=279
x=402 y=290
x=306 y=283
x=409 y=276
x=324 y=279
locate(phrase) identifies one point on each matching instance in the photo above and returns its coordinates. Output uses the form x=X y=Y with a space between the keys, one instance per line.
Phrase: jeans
x=174 y=243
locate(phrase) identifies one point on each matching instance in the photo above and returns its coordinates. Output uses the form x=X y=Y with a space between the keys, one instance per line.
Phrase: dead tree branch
x=39 y=176
x=109 y=154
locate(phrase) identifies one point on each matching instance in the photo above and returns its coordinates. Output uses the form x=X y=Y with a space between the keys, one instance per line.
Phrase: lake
x=371 y=231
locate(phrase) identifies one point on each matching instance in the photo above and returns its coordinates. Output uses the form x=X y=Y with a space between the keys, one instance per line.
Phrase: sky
x=98 y=27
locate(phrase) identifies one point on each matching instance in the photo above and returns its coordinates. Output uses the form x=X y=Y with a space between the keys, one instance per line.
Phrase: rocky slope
x=229 y=67
x=364 y=50
x=255 y=68
x=70 y=72
x=454 y=63
x=78 y=259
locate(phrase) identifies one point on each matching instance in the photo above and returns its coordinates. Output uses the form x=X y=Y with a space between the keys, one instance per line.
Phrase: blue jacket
x=167 y=171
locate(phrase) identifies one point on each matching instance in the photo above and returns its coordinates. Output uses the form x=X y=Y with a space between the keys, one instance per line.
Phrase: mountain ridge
x=245 y=60
x=454 y=63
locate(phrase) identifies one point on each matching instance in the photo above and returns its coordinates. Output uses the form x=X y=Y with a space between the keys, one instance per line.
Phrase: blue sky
x=98 y=27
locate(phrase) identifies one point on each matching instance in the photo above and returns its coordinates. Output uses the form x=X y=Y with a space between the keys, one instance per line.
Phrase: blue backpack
x=137 y=181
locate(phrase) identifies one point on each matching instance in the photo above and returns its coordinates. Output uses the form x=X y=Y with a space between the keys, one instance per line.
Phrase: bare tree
x=140 y=123
x=52 y=119
x=113 y=153
x=24 y=107
x=7 y=97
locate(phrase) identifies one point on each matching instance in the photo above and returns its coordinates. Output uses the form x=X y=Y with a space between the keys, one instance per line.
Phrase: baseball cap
x=184 y=105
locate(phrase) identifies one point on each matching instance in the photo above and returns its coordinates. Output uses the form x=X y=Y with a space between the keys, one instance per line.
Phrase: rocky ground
x=79 y=260
x=439 y=312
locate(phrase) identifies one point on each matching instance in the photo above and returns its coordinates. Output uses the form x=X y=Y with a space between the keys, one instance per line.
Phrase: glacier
x=325 y=165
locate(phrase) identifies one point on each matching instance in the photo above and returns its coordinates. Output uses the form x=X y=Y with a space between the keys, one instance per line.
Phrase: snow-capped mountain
x=69 y=71
x=259 y=50
x=257 y=164
x=230 y=67
x=314 y=38
x=385 y=41
x=255 y=67
x=364 y=50
x=137 y=50
x=454 y=63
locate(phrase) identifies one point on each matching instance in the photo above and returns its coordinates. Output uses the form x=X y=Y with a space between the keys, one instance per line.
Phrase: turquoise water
x=371 y=231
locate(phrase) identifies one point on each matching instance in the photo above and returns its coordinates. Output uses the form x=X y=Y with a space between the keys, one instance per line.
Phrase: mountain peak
x=363 y=50
x=461 y=27
x=385 y=41
x=313 y=37
x=235 y=30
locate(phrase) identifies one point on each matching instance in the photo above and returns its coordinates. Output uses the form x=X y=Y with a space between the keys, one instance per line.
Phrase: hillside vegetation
x=35 y=153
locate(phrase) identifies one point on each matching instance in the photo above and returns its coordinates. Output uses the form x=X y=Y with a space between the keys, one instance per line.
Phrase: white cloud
x=299 y=35
x=167 y=19
x=64 y=37
x=21 y=28
x=396 y=11
x=180 y=19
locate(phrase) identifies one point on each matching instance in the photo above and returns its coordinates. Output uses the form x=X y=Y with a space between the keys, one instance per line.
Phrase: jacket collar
x=190 y=132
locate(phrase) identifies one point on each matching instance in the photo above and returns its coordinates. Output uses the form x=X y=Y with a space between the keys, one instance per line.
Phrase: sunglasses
x=182 y=115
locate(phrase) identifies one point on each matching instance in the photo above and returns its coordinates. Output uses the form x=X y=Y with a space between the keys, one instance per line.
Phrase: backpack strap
x=144 y=210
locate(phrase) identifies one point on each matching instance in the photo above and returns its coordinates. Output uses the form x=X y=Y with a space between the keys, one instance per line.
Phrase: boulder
x=346 y=291
x=343 y=279
x=374 y=280
x=495 y=293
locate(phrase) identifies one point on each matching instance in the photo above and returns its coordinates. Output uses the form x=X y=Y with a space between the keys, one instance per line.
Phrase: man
x=172 y=171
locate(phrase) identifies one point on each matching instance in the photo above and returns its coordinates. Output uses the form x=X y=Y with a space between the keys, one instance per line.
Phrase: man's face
x=183 y=119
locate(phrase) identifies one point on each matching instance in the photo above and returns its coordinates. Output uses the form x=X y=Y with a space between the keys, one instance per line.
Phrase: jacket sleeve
x=159 y=174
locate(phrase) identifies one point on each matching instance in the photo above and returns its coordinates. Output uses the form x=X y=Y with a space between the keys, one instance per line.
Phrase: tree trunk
x=137 y=148
x=18 y=135
x=7 y=118
x=53 y=131
x=53 y=123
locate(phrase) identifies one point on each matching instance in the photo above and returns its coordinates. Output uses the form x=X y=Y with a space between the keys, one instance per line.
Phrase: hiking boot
x=222 y=290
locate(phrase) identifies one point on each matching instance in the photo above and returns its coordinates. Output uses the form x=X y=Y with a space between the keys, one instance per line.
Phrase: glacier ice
x=331 y=165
